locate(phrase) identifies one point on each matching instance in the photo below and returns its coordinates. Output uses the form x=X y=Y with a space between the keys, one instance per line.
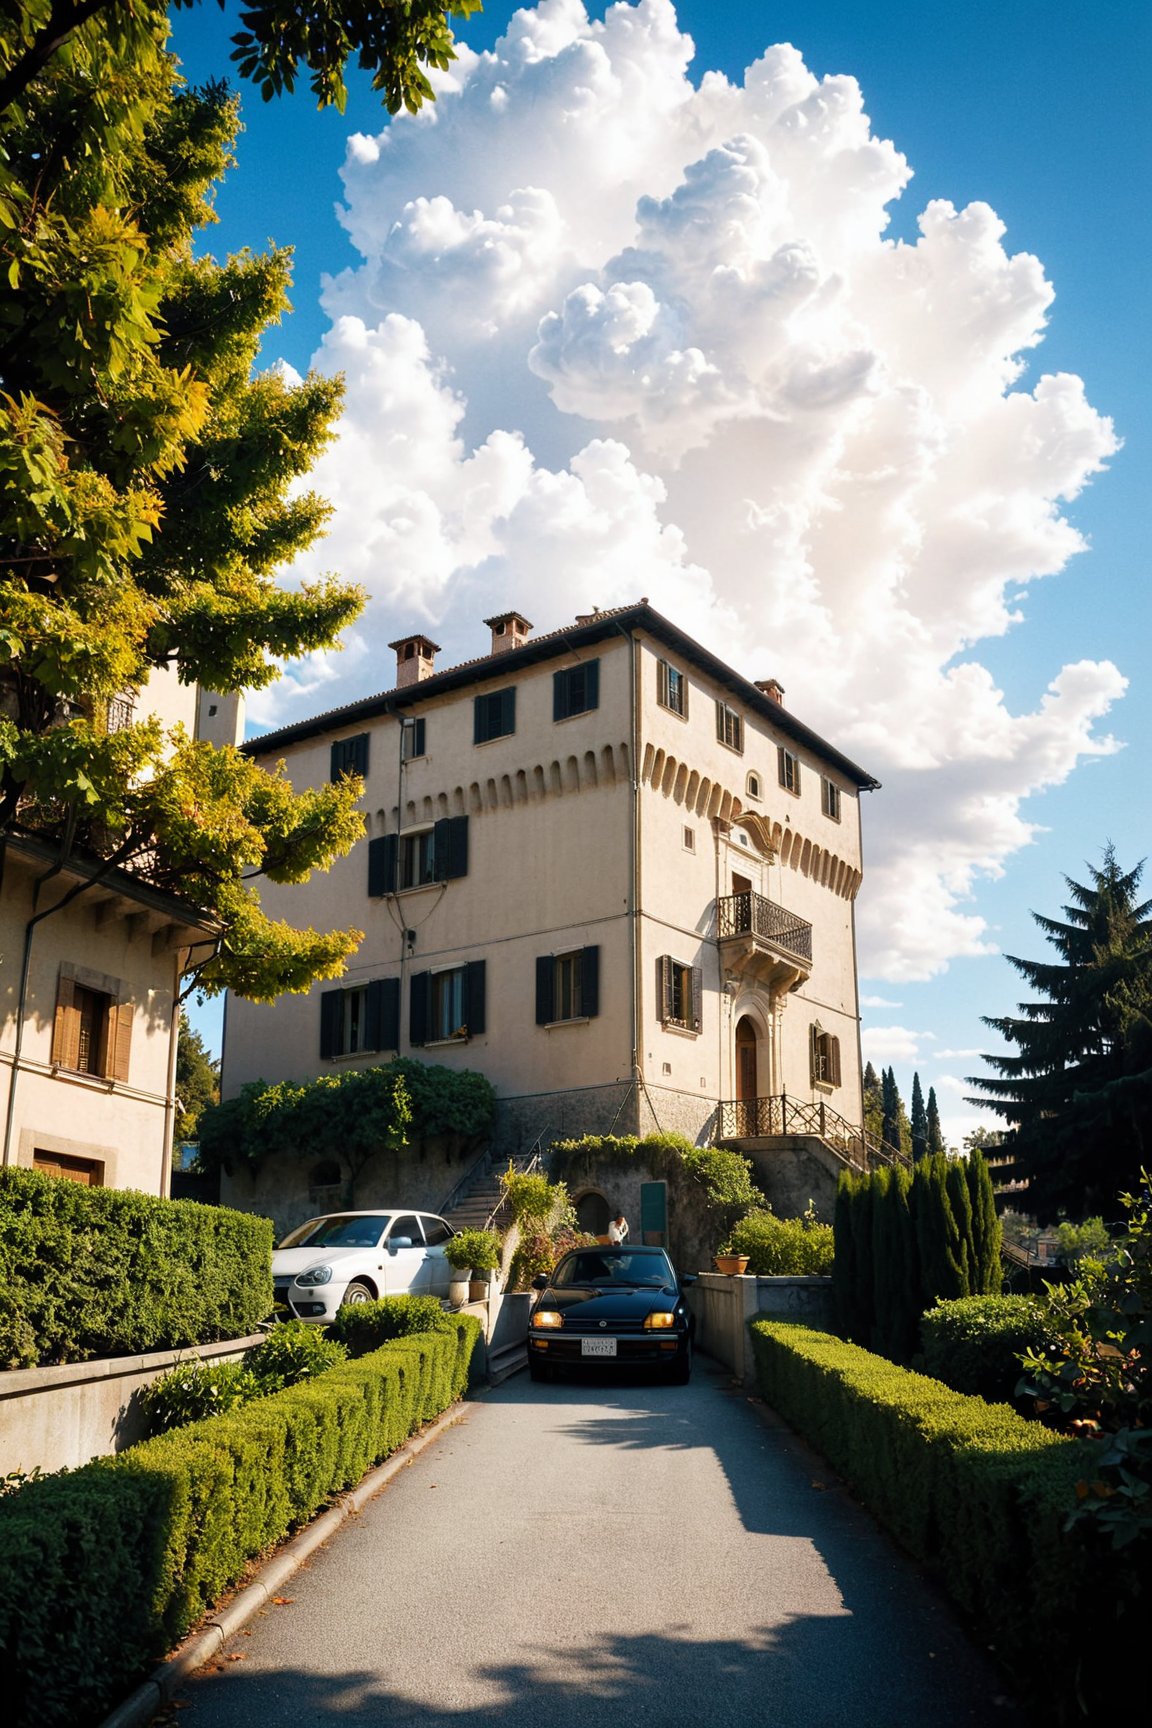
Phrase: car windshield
x=600 y=1268
x=344 y=1230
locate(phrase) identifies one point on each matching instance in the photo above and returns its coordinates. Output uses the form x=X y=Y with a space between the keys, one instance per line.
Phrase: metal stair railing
x=480 y=1168
x=778 y=1115
x=526 y=1165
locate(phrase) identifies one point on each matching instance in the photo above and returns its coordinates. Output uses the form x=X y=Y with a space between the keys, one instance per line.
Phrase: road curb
x=138 y=1709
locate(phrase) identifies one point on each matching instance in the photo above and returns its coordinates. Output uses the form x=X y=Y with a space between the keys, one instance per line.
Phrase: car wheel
x=682 y=1368
x=538 y=1370
x=357 y=1292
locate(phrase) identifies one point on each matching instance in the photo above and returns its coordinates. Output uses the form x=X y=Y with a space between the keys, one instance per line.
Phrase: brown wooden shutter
x=119 y=1040
x=813 y=1054
x=66 y=1027
x=834 y=1061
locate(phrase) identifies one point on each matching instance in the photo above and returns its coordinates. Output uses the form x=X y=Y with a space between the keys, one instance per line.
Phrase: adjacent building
x=601 y=867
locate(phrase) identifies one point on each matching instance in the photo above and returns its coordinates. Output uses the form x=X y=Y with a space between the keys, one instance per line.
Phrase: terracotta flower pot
x=732 y=1265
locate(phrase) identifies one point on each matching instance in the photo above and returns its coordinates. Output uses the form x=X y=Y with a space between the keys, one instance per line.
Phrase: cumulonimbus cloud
x=617 y=333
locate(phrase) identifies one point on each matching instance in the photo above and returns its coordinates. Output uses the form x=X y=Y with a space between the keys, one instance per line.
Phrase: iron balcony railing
x=768 y=1118
x=752 y=915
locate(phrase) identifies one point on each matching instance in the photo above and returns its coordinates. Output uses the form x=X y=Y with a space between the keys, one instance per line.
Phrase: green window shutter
x=418 y=993
x=590 y=982
x=474 y=1003
x=545 y=989
x=591 y=684
x=450 y=841
x=697 y=998
x=382 y=854
x=560 y=688
x=382 y=1023
x=331 y=1023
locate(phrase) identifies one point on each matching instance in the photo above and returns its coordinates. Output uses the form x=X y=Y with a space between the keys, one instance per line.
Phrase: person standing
x=618 y=1229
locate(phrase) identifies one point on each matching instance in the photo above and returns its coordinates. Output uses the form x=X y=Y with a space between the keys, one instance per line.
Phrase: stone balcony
x=761 y=940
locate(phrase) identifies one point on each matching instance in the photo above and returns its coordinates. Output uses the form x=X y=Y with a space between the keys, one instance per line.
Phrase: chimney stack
x=772 y=689
x=509 y=630
x=414 y=659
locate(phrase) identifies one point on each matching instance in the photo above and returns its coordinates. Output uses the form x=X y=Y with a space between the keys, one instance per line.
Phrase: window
x=680 y=991
x=364 y=1018
x=493 y=716
x=435 y=1230
x=92 y=1030
x=789 y=770
x=89 y=1172
x=671 y=688
x=824 y=1051
x=576 y=690
x=729 y=726
x=436 y=854
x=753 y=785
x=411 y=739
x=689 y=839
x=447 y=1004
x=349 y=756
x=567 y=986
x=830 y=799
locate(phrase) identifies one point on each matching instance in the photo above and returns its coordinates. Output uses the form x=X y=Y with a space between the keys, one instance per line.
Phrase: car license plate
x=597 y=1346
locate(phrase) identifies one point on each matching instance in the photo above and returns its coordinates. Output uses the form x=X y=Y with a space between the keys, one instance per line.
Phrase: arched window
x=752 y=785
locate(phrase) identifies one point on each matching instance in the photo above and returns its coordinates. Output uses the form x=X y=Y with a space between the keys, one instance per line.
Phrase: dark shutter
x=331 y=1023
x=697 y=998
x=590 y=982
x=507 y=712
x=474 y=1005
x=591 y=684
x=382 y=853
x=349 y=756
x=545 y=989
x=119 y=1040
x=455 y=860
x=480 y=732
x=413 y=738
x=813 y=1054
x=720 y=722
x=834 y=1061
x=664 y=985
x=418 y=992
x=382 y=1016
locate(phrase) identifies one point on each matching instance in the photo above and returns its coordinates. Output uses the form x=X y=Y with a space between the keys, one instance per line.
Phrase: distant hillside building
x=602 y=868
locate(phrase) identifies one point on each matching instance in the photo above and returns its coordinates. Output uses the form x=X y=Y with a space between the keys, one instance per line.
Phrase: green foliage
x=479 y=1249
x=291 y=1352
x=103 y=1569
x=193 y=1390
x=1076 y=1096
x=935 y=1131
x=977 y=1493
x=905 y=1240
x=364 y=1326
x=919 y=1122
x=1091 y=1240
x=446 y=1100
x=531 y=1198
x=105 y=1272
x=782 y=1247
x=726 y=1179
x=197 y=1081
x=873 y=1104
x=539 y=1250
x=148 y=492
x=974 y=1343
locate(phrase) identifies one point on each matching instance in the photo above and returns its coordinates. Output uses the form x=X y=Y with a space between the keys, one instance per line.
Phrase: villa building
x=603 y=869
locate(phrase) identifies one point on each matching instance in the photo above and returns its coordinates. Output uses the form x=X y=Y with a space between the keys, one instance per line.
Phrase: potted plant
x=473 y=1255
x=729 y=1261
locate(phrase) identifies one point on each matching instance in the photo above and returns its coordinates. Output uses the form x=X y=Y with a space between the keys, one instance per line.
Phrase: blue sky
x=1039 y=111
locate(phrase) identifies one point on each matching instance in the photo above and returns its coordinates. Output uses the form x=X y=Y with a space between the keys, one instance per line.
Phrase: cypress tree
x=873 y=1104
x=938 y=1242
x=919 y=1122
x=935 y=1132
x=960 y=1205
x=987 y=1268
x=863 y=1299
x=881 y=1260
x=844 y=1257
x=890 y=1094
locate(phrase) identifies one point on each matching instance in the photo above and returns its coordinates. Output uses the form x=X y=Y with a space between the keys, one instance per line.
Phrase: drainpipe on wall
x=634 y=858
x=179 y=960
x=22 y=1002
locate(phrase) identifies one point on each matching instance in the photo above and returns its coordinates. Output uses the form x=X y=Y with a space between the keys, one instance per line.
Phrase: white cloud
x=878 y=1002
x=884 y=1046
x=614 y=334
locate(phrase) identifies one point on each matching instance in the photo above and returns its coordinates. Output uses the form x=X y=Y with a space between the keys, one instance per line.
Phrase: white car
x=358 y=1256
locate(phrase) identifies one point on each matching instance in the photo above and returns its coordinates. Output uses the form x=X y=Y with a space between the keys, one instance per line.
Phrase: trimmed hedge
x=364 y=1326
x=782 y=1247
x=103 y=1569
x=94 y=1272
x=974 y=1344
x=974 y=1490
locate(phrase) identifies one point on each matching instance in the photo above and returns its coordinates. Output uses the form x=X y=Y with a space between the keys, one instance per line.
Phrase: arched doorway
x=747 y=1079
x=592 y=1213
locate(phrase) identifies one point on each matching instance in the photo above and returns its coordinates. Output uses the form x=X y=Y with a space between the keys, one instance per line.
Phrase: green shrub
x=291 y=1352
x=539 y=1251
x=193 y=1390
x=364 y=1326
x=974 y=1343
x=478 y=1249
x=726 y=1179
x=108 y=1272
x=103 y=1569
x=531 y=1198
x=782 y=1247
x=975 y=1491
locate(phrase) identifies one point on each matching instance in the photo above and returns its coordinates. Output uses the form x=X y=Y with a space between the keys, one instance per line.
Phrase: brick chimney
x=509 y=630
x=415 y=656
x=772 y=689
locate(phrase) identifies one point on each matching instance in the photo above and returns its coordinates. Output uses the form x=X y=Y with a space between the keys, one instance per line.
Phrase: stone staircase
x=477 y=1203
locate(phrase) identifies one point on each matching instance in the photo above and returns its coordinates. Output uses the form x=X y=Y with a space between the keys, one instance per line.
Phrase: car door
x=436 y=1234
x=406 y=1269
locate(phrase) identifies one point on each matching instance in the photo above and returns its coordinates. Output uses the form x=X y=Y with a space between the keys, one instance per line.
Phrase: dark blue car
x=611 y=1307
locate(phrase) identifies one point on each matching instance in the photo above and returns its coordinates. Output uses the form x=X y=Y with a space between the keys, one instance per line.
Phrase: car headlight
x=661 y=1322
x=547 y=1319
x=314 y=1275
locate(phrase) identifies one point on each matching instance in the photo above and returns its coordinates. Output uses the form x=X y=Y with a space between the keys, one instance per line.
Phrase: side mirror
x=395 y=1242
x=540 y=1282
x=688 y=1278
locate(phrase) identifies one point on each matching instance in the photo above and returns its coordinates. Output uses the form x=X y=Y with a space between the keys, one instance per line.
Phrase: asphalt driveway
x=568 y=1554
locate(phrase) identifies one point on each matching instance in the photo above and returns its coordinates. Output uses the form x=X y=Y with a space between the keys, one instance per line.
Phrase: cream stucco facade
x=602 y=868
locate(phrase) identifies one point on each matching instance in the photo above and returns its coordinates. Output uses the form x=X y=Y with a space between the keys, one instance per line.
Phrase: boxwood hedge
x=103 y=1569
x=975 y=1491
x=94 y=1272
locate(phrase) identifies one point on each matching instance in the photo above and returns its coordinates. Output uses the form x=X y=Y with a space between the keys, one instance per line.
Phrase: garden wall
x=723 y=1306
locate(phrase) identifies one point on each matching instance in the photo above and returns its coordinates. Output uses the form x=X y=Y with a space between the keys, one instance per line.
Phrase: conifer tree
x=986 y=1269
x=844 y=1258
x=919 y=1123
x=935 y=1132
x=873 y=1103
x=1077 y=1094
x=893 y=1106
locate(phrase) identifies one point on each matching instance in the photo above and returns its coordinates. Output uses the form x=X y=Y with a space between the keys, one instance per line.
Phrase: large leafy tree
x=1077 y=1093
x=148 y=491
